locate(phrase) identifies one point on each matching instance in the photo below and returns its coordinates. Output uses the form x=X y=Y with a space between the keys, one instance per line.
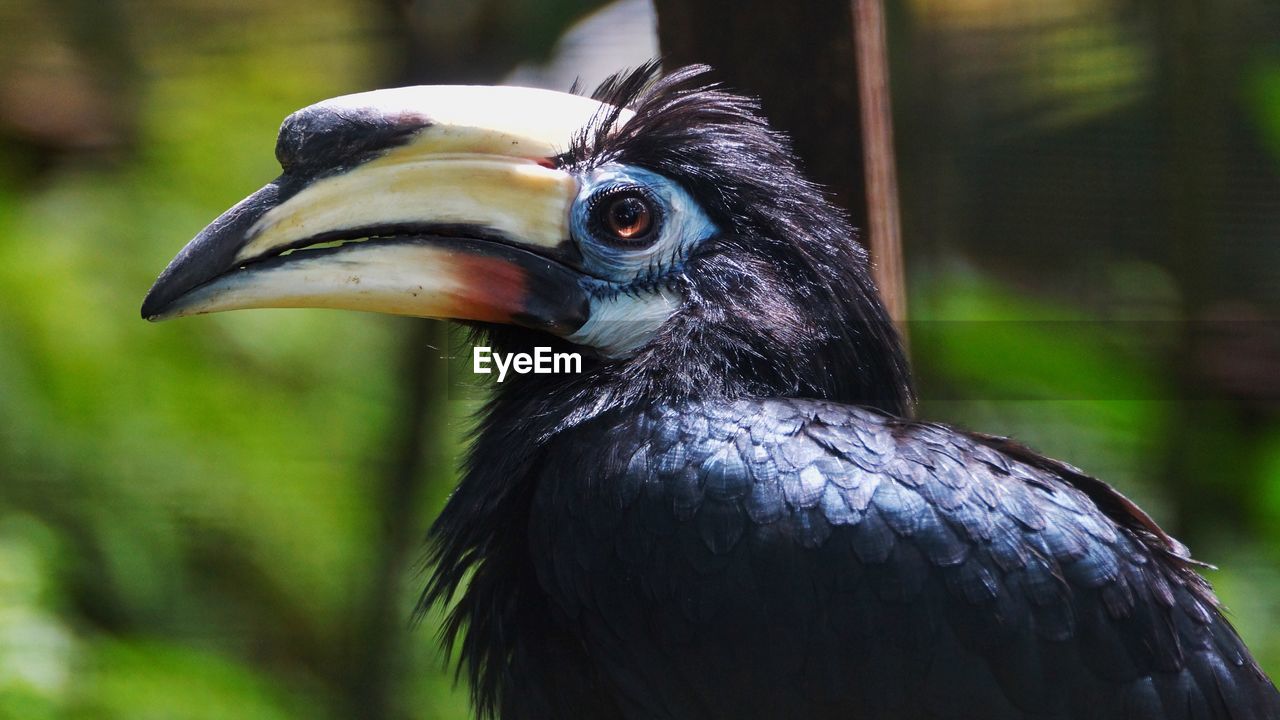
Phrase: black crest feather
x=785 y=247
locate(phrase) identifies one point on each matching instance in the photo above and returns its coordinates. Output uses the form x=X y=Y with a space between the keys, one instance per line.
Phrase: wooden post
x=884 y=228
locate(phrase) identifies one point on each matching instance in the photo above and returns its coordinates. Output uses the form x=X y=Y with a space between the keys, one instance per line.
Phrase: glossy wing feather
x=789 y=558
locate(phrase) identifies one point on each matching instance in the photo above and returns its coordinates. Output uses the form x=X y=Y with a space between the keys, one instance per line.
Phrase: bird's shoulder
x=818 y=465
x=807 y=468
x=845 y=513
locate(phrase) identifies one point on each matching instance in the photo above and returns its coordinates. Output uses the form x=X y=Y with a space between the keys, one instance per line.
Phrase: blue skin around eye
x=683 y=227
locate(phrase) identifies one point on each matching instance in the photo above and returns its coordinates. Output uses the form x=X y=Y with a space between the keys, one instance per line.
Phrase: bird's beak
x=429 y=201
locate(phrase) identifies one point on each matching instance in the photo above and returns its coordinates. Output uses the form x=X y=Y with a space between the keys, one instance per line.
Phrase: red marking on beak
x=499 y=291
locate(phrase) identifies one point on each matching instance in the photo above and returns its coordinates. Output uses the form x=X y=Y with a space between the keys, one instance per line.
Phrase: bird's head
x=660 y=228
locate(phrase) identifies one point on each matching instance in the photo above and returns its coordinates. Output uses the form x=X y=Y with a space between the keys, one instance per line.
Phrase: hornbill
x=729 y=512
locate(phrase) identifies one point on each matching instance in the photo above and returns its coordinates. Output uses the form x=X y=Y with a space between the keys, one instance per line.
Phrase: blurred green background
x=221 y=517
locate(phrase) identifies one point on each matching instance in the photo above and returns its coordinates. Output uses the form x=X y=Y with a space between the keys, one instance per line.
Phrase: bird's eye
x=628 y=217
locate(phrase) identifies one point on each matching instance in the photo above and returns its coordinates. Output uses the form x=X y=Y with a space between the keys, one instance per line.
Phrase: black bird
x=728 y=513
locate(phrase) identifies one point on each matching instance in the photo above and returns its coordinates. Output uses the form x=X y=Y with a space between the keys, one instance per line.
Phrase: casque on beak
x=437 y=201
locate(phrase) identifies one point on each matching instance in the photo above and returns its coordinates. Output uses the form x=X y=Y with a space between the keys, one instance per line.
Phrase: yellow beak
x=441 y=201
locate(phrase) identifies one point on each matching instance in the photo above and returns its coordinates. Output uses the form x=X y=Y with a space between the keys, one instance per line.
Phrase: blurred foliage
x=198 y=496
x=191 y=513
x=1264 y=99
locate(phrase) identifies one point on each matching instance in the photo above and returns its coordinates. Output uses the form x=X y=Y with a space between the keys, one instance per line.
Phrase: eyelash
x=597 y=201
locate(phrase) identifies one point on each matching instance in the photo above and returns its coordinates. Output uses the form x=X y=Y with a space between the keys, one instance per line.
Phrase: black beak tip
x=150 y=312
x=211 y=253
x=155 y=303
x=180 y=277
x=172 y=284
